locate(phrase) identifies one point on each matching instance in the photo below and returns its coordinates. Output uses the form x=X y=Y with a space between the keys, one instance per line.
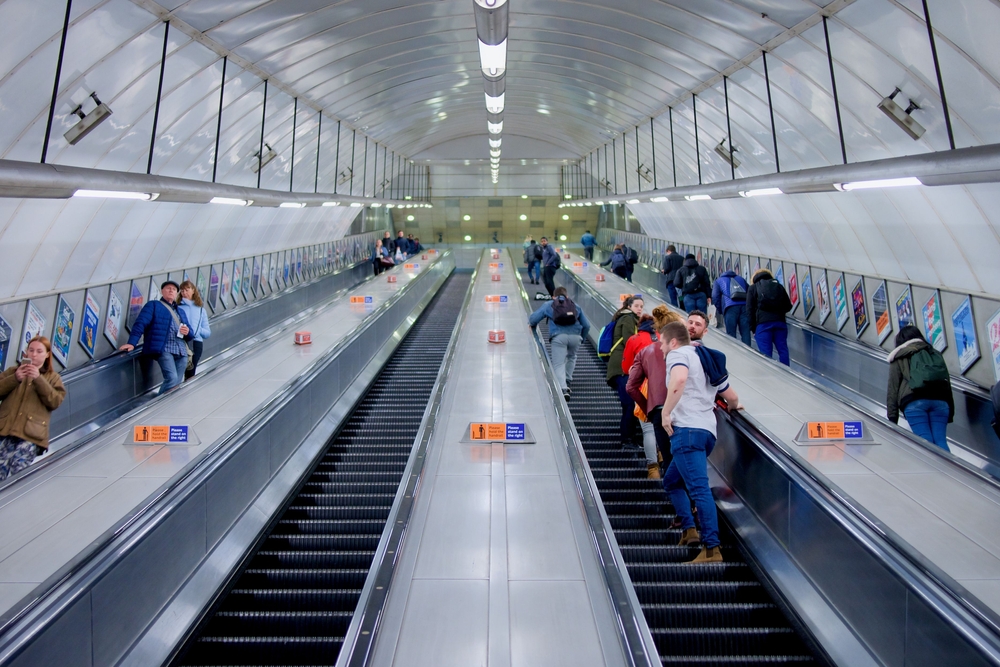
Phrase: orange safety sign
x=159 y=434
x=496 y=298
x=361 y=299
x=496 y=431
x=852 y=430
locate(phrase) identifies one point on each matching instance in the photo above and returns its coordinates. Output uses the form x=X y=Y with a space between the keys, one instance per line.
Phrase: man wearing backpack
x=631 y=259
x=617 y=261
x=730 y=295
x=920 y=386
x=567 y=328
x=695 y=285
x=672 y=262
x=767 y=304
x=550 y=264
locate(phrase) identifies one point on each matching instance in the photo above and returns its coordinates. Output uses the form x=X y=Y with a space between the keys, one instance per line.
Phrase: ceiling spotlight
x=495 y=143
x=562 y=237
x=523 y=217
x=468 y=238
x=901 y=116
x=88 y=121
x=494 y=128
x=409 y=218
x=565 y=217
x=494 y=104
x=466 y=217
x=494 y=152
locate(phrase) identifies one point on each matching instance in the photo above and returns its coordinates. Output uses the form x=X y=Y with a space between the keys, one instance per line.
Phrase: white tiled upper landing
x=52 y=516
x=497 y=566
x=947 y=514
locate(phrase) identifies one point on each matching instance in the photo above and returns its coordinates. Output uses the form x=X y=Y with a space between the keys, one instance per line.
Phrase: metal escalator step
x=316 y=558
x=330 y=527
x=304 y=501
x=732 y=614
x=700 y=591
x=676 y=572
x=339 y=511
x=282 y=623
x=267 y=650
x=286 y=577
x=288 y=599
x=728 y=641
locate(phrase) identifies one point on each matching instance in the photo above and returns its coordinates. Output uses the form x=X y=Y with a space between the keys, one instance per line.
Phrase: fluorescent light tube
x=291 y=204
x=659 y=199
x=331 y=203
x=880 y=183
x=494 y=104
x=231 y=202
x=697 y=197
x=762 y=192
x=632 y=201
x=114 y=194
x=493 y=59
x=494 y=128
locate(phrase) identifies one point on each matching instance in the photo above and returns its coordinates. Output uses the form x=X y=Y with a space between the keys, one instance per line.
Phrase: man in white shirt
x=689 y=418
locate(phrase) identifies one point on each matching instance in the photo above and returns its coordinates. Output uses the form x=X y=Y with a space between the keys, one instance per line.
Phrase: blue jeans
x=533 y=272
x=171 y=366
x=929 y=420
x=696 y=301
x=672 y=293
x=772 y=335
x=588 y=252
x=737 y=317
x=626 y=426
x=689 y=468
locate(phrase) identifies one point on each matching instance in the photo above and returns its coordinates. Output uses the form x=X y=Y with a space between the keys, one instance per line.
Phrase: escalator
x=294 y=601
x=708 y=614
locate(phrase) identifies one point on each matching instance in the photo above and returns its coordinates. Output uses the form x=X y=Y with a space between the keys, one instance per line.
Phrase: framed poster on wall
x=822 y=297
x=135 y=302
x=964 y=326
x=860 y=308
x=6 y=331
x=779 y=274
x=34 y=325
x=62 y=333
x=793 y=290
x=247 y=278
x=840 y=302
x=904 y=308
x=992 y=332
x=113 y=322
x=807 y=294
x=934 y=322
x=880 y=311
x=89 y=324
x=213 y=289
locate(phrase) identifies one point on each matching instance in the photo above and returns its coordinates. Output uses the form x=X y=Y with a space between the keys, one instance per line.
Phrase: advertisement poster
x=298 y=263
x=202 y=284
x=793 y=290
x=255 y=282
x=247 y=276
x=840 y=302
x=822 y=298
x=6 y=331
x=746 y=270
x=904 y=309
x=134 y=305
x=807 y=294
x=880 y=311
x=860 y=308
x=729 y=263
x=272 y=271
x=213 y=289
x=34 y=325
x=964 y=326
x=287 y=273
x=237 y=281
x=154 y=290
x=226 y=284
x=992 y=330
x=89 y=323
x=113 y=322
x=779 y=275
x=934 y=322
x=62 y=335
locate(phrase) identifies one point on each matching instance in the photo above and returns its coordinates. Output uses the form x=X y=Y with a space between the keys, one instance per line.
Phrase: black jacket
x=626 y=326
x=757 y=315
x=899 y=394
x=671 y=263
x=692 y=278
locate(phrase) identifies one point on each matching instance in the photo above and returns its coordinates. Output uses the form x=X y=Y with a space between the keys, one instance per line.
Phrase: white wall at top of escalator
x=942 y=236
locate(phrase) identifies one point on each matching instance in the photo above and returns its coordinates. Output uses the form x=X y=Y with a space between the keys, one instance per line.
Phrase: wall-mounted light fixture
x=88 y=121
x=901 y=116
x=230 y=201
x=262 y=159
x=291 y=204
x=879 y=183
x=724 y=153
x=645 y=173
x=762 y=192
x=115 y=194
x=346 y=175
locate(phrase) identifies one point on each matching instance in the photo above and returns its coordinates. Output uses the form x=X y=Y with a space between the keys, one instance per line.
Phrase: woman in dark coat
x=929 y=409
x=626 y=325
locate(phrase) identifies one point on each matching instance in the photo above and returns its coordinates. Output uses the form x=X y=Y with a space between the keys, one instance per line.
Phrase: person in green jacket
x=626 y=325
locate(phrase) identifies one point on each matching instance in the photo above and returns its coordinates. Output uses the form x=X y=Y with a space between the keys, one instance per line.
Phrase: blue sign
x=503 y=299
x=853 y=430
x=178 y=434
x=515 y=432
x=369 y=299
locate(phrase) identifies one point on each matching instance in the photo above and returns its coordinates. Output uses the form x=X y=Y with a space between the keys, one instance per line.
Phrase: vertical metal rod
x=354 y=148
x=263 y=119
x=607 y=181
x=638 y=159
x=295 y=124
x=55 y=82
x=770 y=108
x=218 y=126
x=385 y=166
x=836 y=99
x=159 y=95
x=697 y=145
x=729 y=128
x=590 y=183
x=364 y=170
x=673 y=157
x=624 y=160
x=652 y=146
x=940 y=79
x=392 y=182
x=319 y=140
x=614 y=162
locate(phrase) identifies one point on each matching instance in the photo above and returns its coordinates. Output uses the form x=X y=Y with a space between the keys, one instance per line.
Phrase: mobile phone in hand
x=24 y=360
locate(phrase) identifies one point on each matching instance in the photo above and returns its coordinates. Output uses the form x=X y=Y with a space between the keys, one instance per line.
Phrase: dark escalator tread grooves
x=293 y=603
x=714 y=614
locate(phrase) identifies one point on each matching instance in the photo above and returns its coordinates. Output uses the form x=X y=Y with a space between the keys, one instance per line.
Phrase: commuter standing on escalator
x=550 y=264
x=197 y=317
x=588 y=242
x=618 y=262
x=920 y=386
x=671 y=263
x=688 y=417
x=164 y=331
x=532 y=257
x=767 y=304
x=729 y=294
x=29 y=392
x=626 y=325
x=695 y=285
x=647 y=386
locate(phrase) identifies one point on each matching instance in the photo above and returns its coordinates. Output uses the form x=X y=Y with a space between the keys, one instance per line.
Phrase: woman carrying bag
x=29 y=392
x=194 y=309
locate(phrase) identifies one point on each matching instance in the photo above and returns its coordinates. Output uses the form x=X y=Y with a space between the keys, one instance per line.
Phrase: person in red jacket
x=643 y=363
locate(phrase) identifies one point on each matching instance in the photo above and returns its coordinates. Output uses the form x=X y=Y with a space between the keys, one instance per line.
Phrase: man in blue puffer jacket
x=164 y=329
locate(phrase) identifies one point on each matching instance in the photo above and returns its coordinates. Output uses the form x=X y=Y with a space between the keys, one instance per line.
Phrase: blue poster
x=779 y=275
x=5 y=333
x=89 y=324
x=213 y=289
x=135 y=302
x=62 y=335
x=965 y=334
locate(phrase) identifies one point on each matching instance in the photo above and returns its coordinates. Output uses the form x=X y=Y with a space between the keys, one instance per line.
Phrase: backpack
x=772 y=297
x=563 y=311
x=632 y=257
x=927 y=365
x=736 y=291
x=617 y=261
x=606 y=343
x=538 y=252
x=692 y=281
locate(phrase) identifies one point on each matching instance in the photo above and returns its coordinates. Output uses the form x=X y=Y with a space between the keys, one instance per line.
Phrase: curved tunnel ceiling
x=407 y=73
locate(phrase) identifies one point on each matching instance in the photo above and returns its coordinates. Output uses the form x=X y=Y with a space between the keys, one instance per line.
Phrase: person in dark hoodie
x=729 y=294
x=930 y=407
x=618 y=262
x=695 y=285
x=767 y=305
x=671 y=263
x=626 y=326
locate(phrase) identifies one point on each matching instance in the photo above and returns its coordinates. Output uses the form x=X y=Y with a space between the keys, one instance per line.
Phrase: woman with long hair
x=626 y=325
x=197 y=317
x=29 y=392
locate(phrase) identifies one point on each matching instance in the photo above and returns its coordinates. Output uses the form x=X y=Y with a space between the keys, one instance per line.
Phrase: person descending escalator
x=694 y=284
x=617 y=261
x=688 y=417
x=626 y=325
x=920 y=387
x=550 y=264
x=767 y=305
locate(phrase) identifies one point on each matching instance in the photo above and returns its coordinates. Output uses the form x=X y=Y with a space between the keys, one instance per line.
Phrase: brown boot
x=709 y=555
x=653 y=471
x=689 y=537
